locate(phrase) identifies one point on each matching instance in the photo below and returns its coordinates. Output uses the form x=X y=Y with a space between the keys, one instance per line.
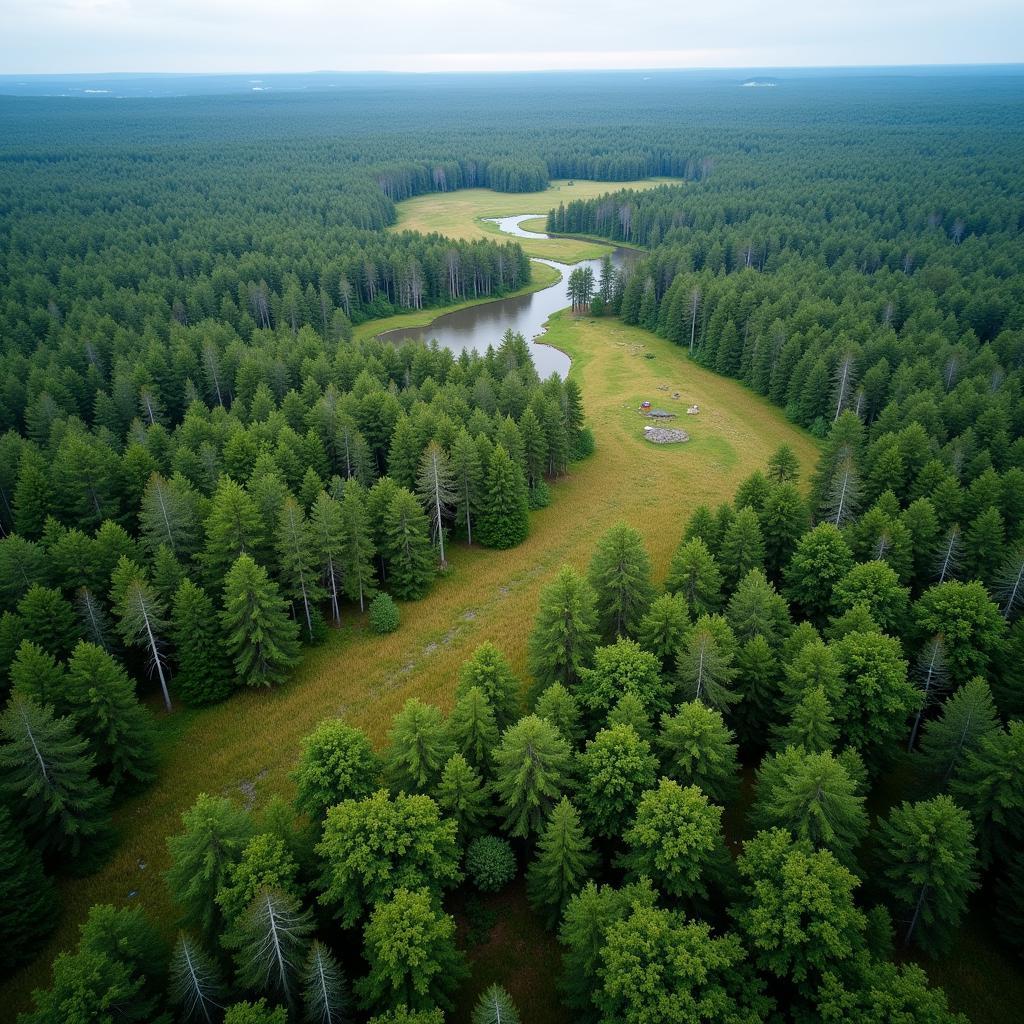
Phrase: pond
x=476 y=327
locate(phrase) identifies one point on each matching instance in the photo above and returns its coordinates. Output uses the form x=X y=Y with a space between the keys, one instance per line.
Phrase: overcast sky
x=497 y=35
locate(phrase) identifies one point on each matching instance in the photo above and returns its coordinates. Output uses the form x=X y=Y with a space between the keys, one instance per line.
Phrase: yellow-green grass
x=461 y=214
x=541 y=276
x=246 y=747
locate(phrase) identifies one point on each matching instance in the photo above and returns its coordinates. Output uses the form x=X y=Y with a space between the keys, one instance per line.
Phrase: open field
x=458 y=214
x=246 y=746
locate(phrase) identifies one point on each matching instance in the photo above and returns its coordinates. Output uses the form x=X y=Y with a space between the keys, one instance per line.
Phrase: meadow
x=461 y=215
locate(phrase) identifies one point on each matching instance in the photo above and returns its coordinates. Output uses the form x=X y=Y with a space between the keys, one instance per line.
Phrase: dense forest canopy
x=772 y=779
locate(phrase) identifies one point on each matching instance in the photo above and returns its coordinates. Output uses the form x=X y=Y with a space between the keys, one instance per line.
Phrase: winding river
x=476 y=327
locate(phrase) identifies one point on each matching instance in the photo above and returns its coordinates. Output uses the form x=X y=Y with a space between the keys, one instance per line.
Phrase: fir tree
x=662 y=629
x=565 y=630
x=489 y=670
x=405 y=546
x=101 y=700
x=297 y=561
x=418 y=747
x=495 y=1006
x=358 y=550
x=504 y=516
x=259 y=635
x=473 y=729
x=620 y=575
x=928 y=857
x=562 y=864
x=558 y=706
x=50 y=621
x=233 y=528
x=467 y=482
x=967 y=718
x=325 y=996
x=205 y=675
x=704 y=662
x=693 y=575
x=810 y=725
x=196 y=987
x=742 y=547
x=142 y=618
x=697 y=748
x=47 y=770
x=326 y=527
x=461 y=795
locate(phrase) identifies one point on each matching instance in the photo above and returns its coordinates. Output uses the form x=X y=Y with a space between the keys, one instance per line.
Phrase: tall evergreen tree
x=325 y=996
x=196 y=987
x=697 y=748
x=704 y=663
x=259 y=635
x=47 y=771
x=620 y=574
x=205 y=674
x=233 y=528
x=565 y=630
x=489 y=670
x=693 y=574
x=358 y=554
x=297 y=560
x=337 y=763
x=967 y=718
x=461 y=795
x=418 y=748
x=405 y=546
x=326 y=522
x=562 y=864
x=505 y=509
x=435 y=487
x=467 y=482
x=473 y=729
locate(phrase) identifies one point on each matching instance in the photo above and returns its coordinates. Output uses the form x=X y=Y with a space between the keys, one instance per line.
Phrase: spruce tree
x=704 y=663
x=966 y=720
x=418 y=747
x=821 y=559
x=489 y=670
x=495 y=1006
x=47 y=771
x=661 y=630
x=101 y=700
x=565 y=630
x=562 y=710
x=694 y=576
x=50 y=621
x=505 y=509
x=697 y=748
x=29 y=905
x=406 y=549
x=35 y=673
x=327 y=532
x=358 y=548
x=563 y=862
x=473 y=729
x=259 y=635
x=810 y=725
x=168 y=516
x=467 y=482
x=205 y=674
x=462 y=796
x=784 y=519
x=616 y=766
x=297 y=561
x=742 y=547
x=928 y=855
x=233 y=528
x=142 y=619
x=620 y=575
x=531 y=768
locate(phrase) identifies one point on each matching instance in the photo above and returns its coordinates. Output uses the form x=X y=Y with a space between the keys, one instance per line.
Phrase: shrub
x=384 y=616
x=490 y=863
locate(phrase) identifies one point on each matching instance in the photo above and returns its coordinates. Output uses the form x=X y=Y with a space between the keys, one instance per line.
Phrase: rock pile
x=665 y=435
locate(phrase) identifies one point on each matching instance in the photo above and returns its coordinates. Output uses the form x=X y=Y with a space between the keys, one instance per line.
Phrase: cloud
x=303 y=35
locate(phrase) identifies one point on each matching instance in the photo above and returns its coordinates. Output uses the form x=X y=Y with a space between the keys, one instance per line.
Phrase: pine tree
x=418 y=747
x=784 y=520
x=168 y=516
x=404 y=453
x=259 y=635
x=928 y=859
x=694 y=576
x=985 y=546
x=358 y=553
x=297 y=561
x=326 y=527
x=562 y=864
x=489 y=670
x=967 y=718
x=271 y=945
x=473 y=729
x=620 y=575
x=205 y=674
x=783 y=466
x=196 y=987
x=462 y=796
x=406 y=548
x=29 y=905
x=47 y=770
x=142 y=618
x=101 y=700
x=435 y=487
x=325 y=996
x=505 y=509
x=467 y=482
x=565 y=630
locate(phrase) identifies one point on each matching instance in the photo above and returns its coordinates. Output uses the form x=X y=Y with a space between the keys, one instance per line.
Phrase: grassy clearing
x=460 y=214
x=246 y=747
x=541 y=276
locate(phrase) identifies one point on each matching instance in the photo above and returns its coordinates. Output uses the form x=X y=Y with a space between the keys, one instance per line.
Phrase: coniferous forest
x=780 y=778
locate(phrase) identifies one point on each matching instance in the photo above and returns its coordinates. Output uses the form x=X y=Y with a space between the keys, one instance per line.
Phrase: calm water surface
x=479 y=326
